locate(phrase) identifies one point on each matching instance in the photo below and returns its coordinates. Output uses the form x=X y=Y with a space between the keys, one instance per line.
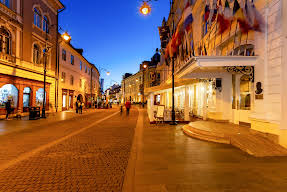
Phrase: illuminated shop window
x=40 y=97
x=8 y=92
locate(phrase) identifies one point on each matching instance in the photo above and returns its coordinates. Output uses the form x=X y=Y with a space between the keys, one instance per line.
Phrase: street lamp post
x=173 y=122
x=145 y=9
x=45 y=51
x=144 y=67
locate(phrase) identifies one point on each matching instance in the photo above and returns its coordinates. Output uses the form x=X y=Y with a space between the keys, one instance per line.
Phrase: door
x=241 y=99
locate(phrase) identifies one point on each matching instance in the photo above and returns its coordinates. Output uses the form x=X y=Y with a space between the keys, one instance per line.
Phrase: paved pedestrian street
x=104 y=150
x=69 y=155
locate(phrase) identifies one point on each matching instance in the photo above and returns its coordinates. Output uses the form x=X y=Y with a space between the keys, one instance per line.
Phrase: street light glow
x=66 y=36
x=145 y=8
x=108 y=73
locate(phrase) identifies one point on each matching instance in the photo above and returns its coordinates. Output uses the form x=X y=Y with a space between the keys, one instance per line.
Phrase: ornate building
x=234 y=74
x=26 y=29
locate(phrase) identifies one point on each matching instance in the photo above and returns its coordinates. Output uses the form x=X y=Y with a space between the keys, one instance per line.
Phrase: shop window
x=37 y=18
x=8 y=92
x=40 y=97
x=26 y=97
x=245 y=97
x=64 y=55
x=5 y=41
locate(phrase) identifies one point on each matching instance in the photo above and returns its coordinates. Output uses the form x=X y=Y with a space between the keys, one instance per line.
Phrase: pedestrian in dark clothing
x=8 y=108
x=77 y=107
x=81 y=107
x=128 y=106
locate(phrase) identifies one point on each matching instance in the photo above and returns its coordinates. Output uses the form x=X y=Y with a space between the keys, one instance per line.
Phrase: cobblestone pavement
x=93 y=159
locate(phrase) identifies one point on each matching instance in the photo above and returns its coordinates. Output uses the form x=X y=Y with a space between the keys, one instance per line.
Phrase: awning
x=210 y=66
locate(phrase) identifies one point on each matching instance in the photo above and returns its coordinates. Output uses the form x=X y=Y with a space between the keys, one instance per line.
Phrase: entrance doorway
x=241 y=105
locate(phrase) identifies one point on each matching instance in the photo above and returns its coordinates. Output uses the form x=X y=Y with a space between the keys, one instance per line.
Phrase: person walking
x=128 y=107
x=8 y=108
x=81 y=107
x=77 y=106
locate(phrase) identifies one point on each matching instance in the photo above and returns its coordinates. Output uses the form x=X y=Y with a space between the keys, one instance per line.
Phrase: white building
x=240 y=79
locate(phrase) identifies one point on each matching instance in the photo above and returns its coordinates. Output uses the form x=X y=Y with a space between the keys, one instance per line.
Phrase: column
x=20 y=98
x=204 y=101
x=150 y=106
x=186 y=104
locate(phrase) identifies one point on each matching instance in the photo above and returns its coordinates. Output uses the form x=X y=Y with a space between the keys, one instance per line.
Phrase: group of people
x=79 y=106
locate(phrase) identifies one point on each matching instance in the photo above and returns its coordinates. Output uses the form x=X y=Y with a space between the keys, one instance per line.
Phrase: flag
x=224 y=17
x=254 y=18
x=227 y=12
x=206 y=12
x=236 y=7
x=187 y=17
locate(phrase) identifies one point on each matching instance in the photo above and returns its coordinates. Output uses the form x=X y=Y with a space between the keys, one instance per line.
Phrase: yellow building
x=232 y=76
x=25 y=31
x=79 y=79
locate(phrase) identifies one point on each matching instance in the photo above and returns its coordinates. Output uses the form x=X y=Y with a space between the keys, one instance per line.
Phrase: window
x=72 y=80
x=5 y=41
x=64 y=55
x=37 y=18
x=40 y=97
x=72 y=59
x=63 y=77
x=86 y=68
x=81 y=65
x=245 y=92
x=45 y=24
x=36 y=54
x=6 y=3
x=8 y=92
x=80 y=83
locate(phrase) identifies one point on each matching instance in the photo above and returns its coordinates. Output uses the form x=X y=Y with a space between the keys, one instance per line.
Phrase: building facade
x=26 y=29
x=132 y=88
x=235 y=76
x=79 y=79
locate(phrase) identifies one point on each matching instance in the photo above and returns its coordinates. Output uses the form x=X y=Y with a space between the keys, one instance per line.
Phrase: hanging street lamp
x=146 y=9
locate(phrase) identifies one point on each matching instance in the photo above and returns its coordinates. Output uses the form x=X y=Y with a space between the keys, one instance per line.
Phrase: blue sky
x=113 y=34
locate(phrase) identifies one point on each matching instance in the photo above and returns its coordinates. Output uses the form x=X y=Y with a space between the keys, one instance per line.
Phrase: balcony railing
x=8 y=11
x=7 y=58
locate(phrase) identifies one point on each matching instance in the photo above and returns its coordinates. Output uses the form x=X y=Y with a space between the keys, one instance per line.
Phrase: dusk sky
x=113 y=34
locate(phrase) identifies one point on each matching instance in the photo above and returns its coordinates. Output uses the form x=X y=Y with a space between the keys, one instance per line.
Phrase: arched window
x=45 y=24
x=37 y=18
x=36 y=54
x=26 y=97
x=8 y=92
x=40 y=97
x=5 y=41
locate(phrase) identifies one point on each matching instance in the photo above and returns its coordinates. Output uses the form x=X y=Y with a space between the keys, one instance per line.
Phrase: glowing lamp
x=66 y=36
x=145 y=8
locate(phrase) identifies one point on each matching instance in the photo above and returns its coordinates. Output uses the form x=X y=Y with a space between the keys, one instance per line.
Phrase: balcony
x=7 y=58
x=8 y=11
